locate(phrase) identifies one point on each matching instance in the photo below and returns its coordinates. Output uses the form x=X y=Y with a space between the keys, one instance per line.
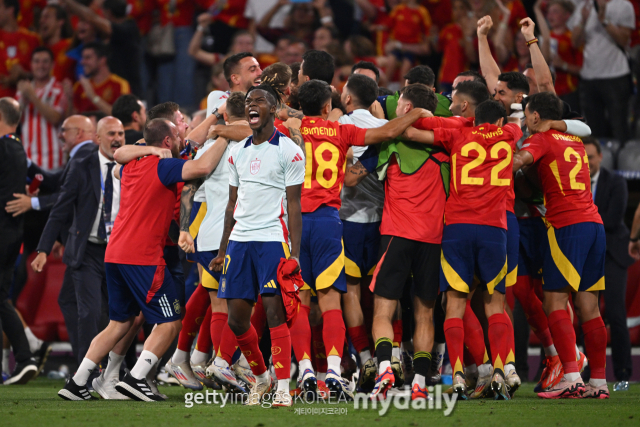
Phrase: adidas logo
x=297 y=158
x=231 y=160
x=148 y=361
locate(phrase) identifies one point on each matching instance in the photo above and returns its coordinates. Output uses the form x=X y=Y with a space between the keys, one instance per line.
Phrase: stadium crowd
x=312 y=164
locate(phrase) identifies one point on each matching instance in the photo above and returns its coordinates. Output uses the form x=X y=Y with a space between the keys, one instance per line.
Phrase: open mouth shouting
x=254 y=116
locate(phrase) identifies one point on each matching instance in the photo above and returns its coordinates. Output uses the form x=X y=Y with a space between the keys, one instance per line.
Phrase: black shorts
x=399 y=259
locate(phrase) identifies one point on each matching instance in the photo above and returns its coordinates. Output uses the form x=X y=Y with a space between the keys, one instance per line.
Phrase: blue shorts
x=400 y=55
x=361 y=247
x=146 y=288
x=471 y=249
x=322 y=251
x=198 y=211
x=251 y=269
x=210 y=278
x=171 y=255
x=513 y=249
x=574 y=256
x=533 y=234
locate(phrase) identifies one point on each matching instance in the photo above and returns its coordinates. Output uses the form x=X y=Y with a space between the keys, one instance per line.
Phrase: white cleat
x=106 y=388
x=183 y=373
x=200 y=371
x=258 y=391
x=513 y=382
x=282 y=398
x=243 y=372
x=225 y=376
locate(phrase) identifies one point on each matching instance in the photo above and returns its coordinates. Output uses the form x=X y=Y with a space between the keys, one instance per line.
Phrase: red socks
x=532 y=307
x=595 y=345
x=196 y=308
x=204 y=336
x=301 y=334
x=228 y=344
x=248 y=343
x=281 y=351
x=218 y=323
x=454 y=334
x=564 y=338
x=259 y=318
x=473 y=336
x=319 y=352
x=498 y=339
x=511 y=345
x=359 y=337
x=333 y=332
x=397 y=332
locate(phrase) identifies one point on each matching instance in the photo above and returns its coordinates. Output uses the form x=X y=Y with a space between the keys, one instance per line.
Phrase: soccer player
x=574 y=253
x=476 y=243
x=266 y=172
x=137 y=277
x=322 y=253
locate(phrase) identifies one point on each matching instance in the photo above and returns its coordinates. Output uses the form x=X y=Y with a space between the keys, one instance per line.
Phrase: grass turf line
x=37 y=403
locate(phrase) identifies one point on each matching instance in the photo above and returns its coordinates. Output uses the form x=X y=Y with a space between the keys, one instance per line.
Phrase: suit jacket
x=611 y=200
x=79 y=199
x=53 y=180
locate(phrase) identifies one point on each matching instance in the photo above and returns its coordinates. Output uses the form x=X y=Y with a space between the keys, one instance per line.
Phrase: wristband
x=95 y=100
x=634 y=240
x=326 y=20
x=532 y=41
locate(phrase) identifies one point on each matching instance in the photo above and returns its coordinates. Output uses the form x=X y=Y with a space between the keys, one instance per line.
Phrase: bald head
x=76 y=129
x=110 y=136
x=9 y=113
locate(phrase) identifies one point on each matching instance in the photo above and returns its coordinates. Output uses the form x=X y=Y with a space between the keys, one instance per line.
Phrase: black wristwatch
x=218 y=115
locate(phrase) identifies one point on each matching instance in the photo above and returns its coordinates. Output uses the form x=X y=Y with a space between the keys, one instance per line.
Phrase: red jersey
x=15 y=49
x=409 y=25
x=148 y=193
x=481 y=163
x=109 y=90
x=439 y=10
x=563 y=168
x=27 y=9
x=183 y=11
x=326 y=144
x=454 y=59
x=64 y=67
x=565 y=82
x=414 y=204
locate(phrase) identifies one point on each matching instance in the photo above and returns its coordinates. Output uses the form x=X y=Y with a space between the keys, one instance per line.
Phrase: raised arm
x=572 y=127
x=540 y=67
x=203 y=166
x=195 y=49
x=488 y=66
x=199 y=134
x=294 y=211
x=394 y=127
x=186 y=204
x=230 y=132
x=86 y=14
x=578 y=36
x=128 y=153
x=218 y=262
x=545 y=33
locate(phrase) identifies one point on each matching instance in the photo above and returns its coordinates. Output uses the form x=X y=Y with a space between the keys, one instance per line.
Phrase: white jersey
x=262 y=173
x=362 y=203
x=215 y=100
x=216 y=190
x=200 y=195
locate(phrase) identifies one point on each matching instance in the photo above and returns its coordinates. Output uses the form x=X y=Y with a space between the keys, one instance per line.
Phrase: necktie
x=108 y=199
x=593 y=189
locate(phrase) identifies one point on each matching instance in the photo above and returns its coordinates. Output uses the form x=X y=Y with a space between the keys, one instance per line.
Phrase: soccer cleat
x=513 y=382
x=225 y=376
x=564 y=389
x=551 y=374
x=433 y=375
x=183 y=373
x=483 y=385
x=137 y=389
x=164 y=378
x=73 y=391
x=282 y=398
x=337 y=385
x=418 y=393
x=323 y=391
x=309 y=384
x=367 y=379
x=499 y=386
x=106 y=388
x=23 y=372
x=200 y=372
x=41 y=356
x=243 y=372
x=398 y=373
x=153 y=385
x=384 y=382
x=459 y=385
x=582 y=362
x=621 y=386
x=258 y=391
x=595 y=392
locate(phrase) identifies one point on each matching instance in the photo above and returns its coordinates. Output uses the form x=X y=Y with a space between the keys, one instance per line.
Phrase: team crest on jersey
x=176 y=306
x=255 y=166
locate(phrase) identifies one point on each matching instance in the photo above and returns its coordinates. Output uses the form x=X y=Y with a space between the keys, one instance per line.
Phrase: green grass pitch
x=37 y=405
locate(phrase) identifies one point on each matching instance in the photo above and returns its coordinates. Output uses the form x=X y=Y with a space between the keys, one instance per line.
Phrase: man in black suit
x=610 y=196
x=13 y=175
x=90 y=195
